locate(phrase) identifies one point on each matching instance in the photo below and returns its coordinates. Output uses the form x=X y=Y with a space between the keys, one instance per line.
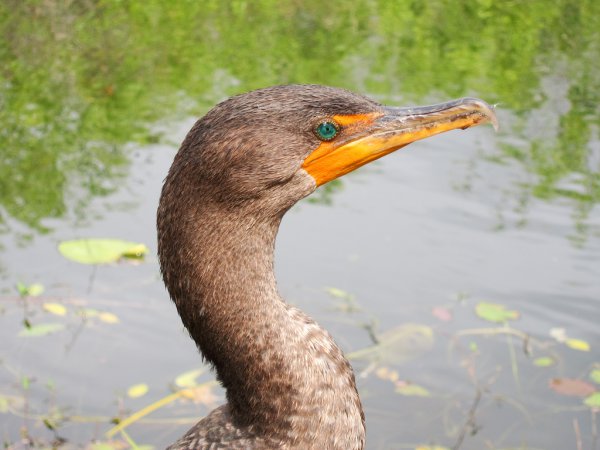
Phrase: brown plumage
x=236 y=174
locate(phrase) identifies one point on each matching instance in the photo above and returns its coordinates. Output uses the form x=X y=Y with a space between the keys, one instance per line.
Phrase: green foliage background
x=79 y=79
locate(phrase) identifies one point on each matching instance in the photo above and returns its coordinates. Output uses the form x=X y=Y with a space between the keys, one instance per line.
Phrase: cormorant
x=238 y=171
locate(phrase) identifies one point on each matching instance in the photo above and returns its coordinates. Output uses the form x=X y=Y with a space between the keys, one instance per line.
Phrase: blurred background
x=460 y=275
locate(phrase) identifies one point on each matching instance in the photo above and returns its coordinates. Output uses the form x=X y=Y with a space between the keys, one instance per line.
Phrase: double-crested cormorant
x=240 y=168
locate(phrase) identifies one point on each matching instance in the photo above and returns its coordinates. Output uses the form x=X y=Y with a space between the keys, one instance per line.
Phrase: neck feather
x=281 y=370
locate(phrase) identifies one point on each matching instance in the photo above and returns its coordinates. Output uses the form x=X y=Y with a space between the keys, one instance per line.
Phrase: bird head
x=279 y=144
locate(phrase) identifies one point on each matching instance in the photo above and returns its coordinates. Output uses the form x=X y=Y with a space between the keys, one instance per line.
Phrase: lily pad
x=595 y=376
x=33 y=290
x=137 y=390
x=544 y=361
x=578 y=344
x=412 y=390
x=398 y=345
x=593 y=400
x=100 y=251
x=189 y=379
x=55 y=308
x=108 y=317
x=136 y=252
x=41 y=329
x=572 y=387
x=441 y=313
x=3 y=404
x=496 y=313
x=339 y=293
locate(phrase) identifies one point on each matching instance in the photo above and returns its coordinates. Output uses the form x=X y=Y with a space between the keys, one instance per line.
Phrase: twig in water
x=76 y=333
x=150 y=408
x=130 y=441
x=577 y=434
x=92 y=278
x=594 y=430
x=513 y=357
x=370 y=327
x=470 y=423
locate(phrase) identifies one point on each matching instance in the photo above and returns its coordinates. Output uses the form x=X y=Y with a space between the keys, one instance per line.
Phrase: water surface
x=95 y=98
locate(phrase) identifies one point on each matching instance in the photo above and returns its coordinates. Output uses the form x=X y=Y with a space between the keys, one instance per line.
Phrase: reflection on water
x=82 y=86
x=78 y=81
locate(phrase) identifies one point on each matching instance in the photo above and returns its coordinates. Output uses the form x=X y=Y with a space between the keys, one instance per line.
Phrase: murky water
x=94 y=104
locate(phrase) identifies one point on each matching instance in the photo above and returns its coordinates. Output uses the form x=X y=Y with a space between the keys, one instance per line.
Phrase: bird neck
x=282 y=372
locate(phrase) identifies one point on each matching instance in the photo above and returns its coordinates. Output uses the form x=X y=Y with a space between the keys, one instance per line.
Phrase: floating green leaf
x=398 y=345
x=413 y=390
x=22 y=289
x=593 y=400
x=100 y=251
x=338 y=293
x=49 y=424
x=55 y=308
x=595 y=376
x=108 y=317
x=3 y=404
x=41 y=329
x=544 y=361
x=188 y=379
x=137 y=390
x=493 y=312
x=33 y=290
x=578 y=344
x=136 y=252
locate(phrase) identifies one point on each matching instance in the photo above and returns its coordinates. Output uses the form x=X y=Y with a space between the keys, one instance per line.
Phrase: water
x=94 y=103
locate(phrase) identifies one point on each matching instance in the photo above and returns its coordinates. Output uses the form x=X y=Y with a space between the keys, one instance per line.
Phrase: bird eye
x=326 y=131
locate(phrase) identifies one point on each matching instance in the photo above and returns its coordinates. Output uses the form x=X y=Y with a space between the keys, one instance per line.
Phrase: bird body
x=240 y=168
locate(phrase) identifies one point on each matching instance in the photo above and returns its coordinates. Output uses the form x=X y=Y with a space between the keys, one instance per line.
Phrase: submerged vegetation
x=545 y=358
x=80 y=81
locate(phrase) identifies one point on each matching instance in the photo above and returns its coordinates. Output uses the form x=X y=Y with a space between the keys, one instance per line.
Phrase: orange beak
x=366 y=137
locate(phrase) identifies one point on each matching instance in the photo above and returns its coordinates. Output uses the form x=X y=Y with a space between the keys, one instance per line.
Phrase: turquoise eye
x=326 y=131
